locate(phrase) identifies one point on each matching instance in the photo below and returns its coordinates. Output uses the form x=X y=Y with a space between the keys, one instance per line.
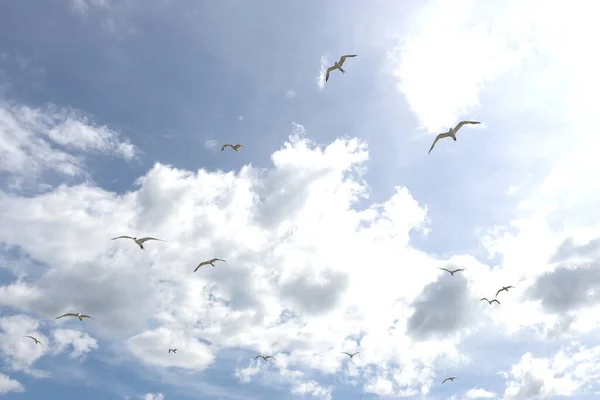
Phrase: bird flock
x=338 y=65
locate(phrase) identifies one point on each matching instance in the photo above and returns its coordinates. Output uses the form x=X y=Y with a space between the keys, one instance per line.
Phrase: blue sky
x=333 y=219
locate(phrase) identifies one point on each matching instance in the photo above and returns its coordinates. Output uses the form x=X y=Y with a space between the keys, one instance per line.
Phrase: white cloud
x=241 y=118
x=572 y=368
x=290 y=94
x=313 y=389
x=33 y=140
x=478 y=393
x=9 y=385
x=211 y=145
x=322 y=71
x=21 y=353
x=153 y=396
x=81 y=342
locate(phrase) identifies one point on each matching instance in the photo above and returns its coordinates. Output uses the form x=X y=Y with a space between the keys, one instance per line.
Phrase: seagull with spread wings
x=140 y=241
x=451 y=132
x=490 y=302
x=78 y=315
x=338 y=65
x=172 y=351
x=36 y=341
x=452 y=378
x=209 y=262
x=234 y=147
x=504 y=289
x=452 y=272
x=266 y=358
x=351 y=355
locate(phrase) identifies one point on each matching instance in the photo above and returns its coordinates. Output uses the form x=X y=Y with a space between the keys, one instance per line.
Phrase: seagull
x=78 y=315
x=490 y=302
x=504 y=288
x=452 y=272
x=236 y=147
x=36 y=341
x=209 y=262
x=172 y=350
x=451 y=132
x=351 y=355
x=338 y=65
x=263 y=357
x=452 y=378
x=140 y=241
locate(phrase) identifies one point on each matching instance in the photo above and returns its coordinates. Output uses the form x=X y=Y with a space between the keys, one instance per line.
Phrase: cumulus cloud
x=9 y=385
x=290 y=94
x=20 y=354
x=153 y=396
x=211 y=145
x=53 y=138
x=478 y=393
x=81 y=342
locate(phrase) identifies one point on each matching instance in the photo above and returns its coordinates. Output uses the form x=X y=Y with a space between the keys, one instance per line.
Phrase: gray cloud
x=567 y=288
x=568 y=250
x=313 y=297
x=444 y=307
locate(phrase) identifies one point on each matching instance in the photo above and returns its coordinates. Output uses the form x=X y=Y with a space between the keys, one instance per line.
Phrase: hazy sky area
x=334 y=221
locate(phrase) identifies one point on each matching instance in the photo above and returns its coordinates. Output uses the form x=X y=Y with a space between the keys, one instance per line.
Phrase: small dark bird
x=140 y=241
x=451 y=132
x=452 y=378
x=209 y=262
x=36 y=341
x=505 y=289
x=490 y=302
x=78 y=315
x=266 y=358
x=338 y=65
x=172 y=350
x=452 y=272
x=236 y=147
x=351 y=355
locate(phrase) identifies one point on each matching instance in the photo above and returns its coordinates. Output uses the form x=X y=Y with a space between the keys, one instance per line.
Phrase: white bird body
x=451 y=132
x=140 y=241
x=338 y=65
x=78 y=315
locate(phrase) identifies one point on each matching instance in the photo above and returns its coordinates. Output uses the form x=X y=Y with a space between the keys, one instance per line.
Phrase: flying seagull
x=452 y=272
x=36 y=341
x=451 y=132
x=452 y=378
x=172 y=350
x=140 y=241
x=338 y=65
x=263 y=357
x=351 y=355
x=209 y=262
x=78 y=315
x=234 y=147
x=490 y=302
x=504 y=288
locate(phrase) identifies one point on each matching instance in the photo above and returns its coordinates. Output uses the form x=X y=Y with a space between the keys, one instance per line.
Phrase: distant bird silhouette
x=78 y=315
x=338 y=65
x=172 y=350
x=234 y=147
x=140 y=241
x=505 y=289
x=36 y=341
x=490 y=302
x=452 y=272
x=209 y=262
x=451 y=132
x=452 y=378
x=351 y=355
x=266 y=358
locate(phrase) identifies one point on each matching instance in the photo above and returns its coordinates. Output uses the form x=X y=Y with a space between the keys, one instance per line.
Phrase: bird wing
x=142 y=240
x=444 y=269
x=343 y=58
x=343 y=352
x=67 y=315
x=447 y=379
x=238 y=146
x=483 y=298
x=225 y=146
x=510 y=287
x=257 y=357
x=438 y=137
x=201 y=264
x=461 y=123
x=217 y=259
x=498 y=292
x=328 y=72
x=458 y=270
x=358 y=352
x=86 y=316
x=122 y=237
x=31 y=337
x=494 y=301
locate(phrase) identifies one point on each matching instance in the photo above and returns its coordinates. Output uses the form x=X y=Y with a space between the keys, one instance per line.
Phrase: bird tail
x=342 y=69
